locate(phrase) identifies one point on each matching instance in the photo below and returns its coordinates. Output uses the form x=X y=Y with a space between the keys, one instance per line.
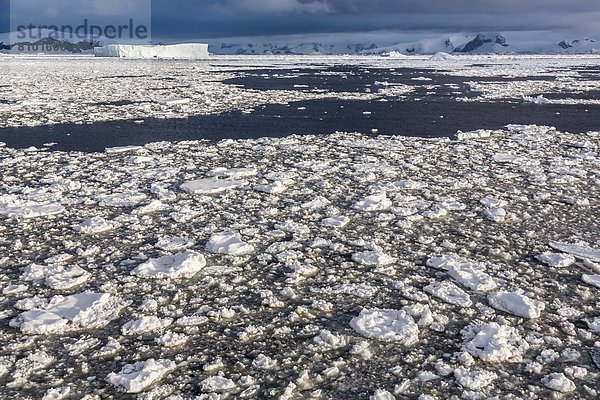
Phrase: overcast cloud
x=199 y=19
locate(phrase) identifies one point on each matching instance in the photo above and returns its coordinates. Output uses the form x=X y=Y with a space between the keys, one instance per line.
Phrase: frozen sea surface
x=343 y=266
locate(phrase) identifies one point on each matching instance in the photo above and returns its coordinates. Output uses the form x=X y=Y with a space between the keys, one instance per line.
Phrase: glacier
x=187 y=51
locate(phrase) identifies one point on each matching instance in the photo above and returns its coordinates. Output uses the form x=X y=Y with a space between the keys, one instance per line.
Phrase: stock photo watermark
x=75 y=26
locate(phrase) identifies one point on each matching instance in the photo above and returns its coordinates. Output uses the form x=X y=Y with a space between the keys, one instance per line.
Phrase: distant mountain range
x=483 y=43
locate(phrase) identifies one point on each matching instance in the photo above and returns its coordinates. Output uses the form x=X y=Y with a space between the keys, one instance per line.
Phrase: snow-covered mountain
x=482 y=43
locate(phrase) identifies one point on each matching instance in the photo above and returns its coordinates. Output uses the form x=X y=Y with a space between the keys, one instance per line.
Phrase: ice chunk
x=558 y=382
x=136 y=378
x=578 y=251
x=56 y=276
x=337 y=221
x=386 y=325
x=450 y=293
x=516 y=303
x=187 y=51
x=273 y=187
x=13 y=207
x=234 y=173
x=373 y=258
x=556 y=259
x=145 y=325
x=492 y=342
x=217 y=384
x=64 y=314
x=375 y=202
x=95 y=225
x=495 y=214
x=174 y=243
x=591 y=280
x=478 y=134
x=535 y=100
x=211 y=185
x=381 y=394
x=228 y=243
x=125 y=199
x=182 y=265
x=466 y=273
x=441 y=56
x=474 y=379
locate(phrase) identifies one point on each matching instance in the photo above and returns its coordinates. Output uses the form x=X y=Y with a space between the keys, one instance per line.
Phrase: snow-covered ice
x=516 y=303
x=387 y=325
x=182 y=265
x=137 y=377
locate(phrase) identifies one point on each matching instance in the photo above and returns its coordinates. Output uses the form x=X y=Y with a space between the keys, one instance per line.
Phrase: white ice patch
x=56 y=276
x=13 y=207
x=337 y=221
x=468 y=274
x=275 y=187
x=95 y=225
x=146 y=324
x=182 y=265
x=593 y=280
x=125 y=199
x=381 y=394
x=375 y=202
x=65 y=314
x=387 y=325
x=558 y=382
x=173 y=244
x=449 y=293
x=495 y=214
x=211 y=185
x=230 y=243
x=516 y=304
x=492 y=342
x=217 y=384
x=474 y=379
x=556 y=259
x=583 y=252
x=373 y=258
x=234 y=173
x=135 y=378
x=478 y=134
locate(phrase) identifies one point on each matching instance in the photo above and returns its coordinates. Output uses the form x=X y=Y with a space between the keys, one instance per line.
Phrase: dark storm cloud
x=213 y=18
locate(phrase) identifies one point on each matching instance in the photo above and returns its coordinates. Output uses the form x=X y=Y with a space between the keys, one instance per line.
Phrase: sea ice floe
x=381 y=394
x=478 y=134
x=449 y=293
x=13 y=207
x=211 y=185
x=182 y=265
x=95 y=225
x=593 y=280
x=469 y=274
x=124 y=199
x=579 y=251
x=65 y=314
x=56 y=276
x=493 y=342
x=558 y=260
x=373 y=258
x=516 y=303
x=495 y=214
x=234 y=173
x=217 y=384
x=387 y=325
x=146 y=324
x=230 y=243
x=374 y=202
x=474 y=379
x=275 y=187
x=558 y=382
x=137 y=377
x=337 y=221
x=174 y=243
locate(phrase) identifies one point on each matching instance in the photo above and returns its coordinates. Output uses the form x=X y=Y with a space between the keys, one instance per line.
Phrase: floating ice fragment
x=381 y=394
x=273 y=187
x=136 y=378
x=217 y=384
x=234 y=173
x=516 y=303
x=125 y=199
x=95 y=225
x=211 y=185
x=474 y=379
x=579 y=251
x=228 y=243
x=65 y=314
x=495 y=214
x=556 y=259
x=56 y=276
x=12 y=207
x=375 y=202
x=450 y=293
x=492 y=342
x=591 y=280
x=478 y=134
x=337 y=221
x=373 y=258
x=145 y=325
x=386 y=325
x=182 y=265
x=536 y=100
x=317 y=203
x=174 y=243
x=558 y=382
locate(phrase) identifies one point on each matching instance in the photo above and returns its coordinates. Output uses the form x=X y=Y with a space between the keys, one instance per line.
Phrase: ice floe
x=387 y=325
x=516 y=303
x=182 y=265
x=137 y=377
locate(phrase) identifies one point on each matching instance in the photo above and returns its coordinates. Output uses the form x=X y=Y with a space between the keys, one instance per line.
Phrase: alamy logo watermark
x=77 y=26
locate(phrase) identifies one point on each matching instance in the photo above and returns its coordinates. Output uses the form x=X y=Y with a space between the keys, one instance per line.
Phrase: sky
x=185 y=20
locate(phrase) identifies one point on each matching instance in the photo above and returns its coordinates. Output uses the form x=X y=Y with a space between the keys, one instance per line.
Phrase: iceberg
x=189 y=51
